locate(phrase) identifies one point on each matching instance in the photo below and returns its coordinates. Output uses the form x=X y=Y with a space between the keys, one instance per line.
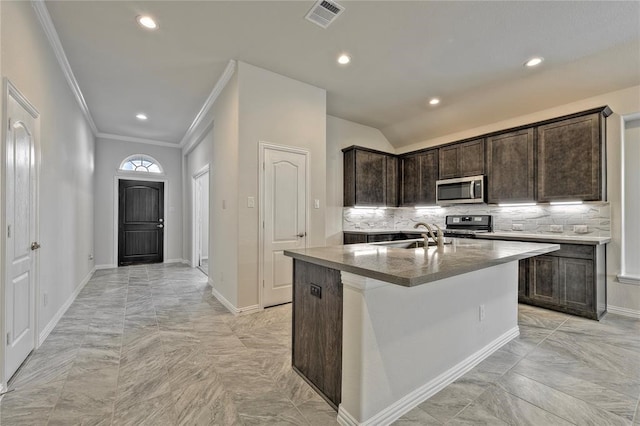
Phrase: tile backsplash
x=539 y=219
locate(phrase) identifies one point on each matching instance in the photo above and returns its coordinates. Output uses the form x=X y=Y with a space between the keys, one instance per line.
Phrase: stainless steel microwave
x=464 y=190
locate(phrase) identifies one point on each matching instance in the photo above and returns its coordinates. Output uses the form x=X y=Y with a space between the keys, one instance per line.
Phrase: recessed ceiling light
x=434 y=101
x=141 y=116
x=344 y=59
x=534 y=62
x=147 y=22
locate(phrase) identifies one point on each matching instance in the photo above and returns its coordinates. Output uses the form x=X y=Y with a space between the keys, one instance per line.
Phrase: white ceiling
x=470 y=54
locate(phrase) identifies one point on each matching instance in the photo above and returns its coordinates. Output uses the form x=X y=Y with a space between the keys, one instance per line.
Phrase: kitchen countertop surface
x=411 y=267
x=505 y=235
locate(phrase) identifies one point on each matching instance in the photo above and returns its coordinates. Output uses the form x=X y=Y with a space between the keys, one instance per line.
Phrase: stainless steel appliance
x=460 y=191
x=462 y=226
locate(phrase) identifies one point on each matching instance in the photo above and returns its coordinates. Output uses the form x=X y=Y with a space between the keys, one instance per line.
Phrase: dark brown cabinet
x=511 y=167
x=317 y=328
x=418 y=176
x=570 y=156
x=462 y=159
x=370 y=178
x=358 y=237
x=571 y=280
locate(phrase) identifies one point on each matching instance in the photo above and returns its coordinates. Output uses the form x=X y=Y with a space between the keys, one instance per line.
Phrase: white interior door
x=285 y=223
x=21 y=232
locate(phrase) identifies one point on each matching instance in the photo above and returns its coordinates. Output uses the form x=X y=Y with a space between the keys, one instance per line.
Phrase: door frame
x=262 y=147
x=116 y=193
x=195 y=238
x=11 y=90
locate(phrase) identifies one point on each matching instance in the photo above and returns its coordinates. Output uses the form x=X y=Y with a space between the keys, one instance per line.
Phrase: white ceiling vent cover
x=324 y=12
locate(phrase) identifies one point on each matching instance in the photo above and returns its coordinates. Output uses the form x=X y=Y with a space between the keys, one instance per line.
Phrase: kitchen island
x=377 y=329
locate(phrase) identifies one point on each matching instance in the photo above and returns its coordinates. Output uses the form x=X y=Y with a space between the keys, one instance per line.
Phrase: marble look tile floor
x=149 y=345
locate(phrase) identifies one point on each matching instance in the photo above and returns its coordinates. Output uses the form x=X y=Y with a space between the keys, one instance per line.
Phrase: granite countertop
x=551 y=238
x=505 y=235
x=411 y=267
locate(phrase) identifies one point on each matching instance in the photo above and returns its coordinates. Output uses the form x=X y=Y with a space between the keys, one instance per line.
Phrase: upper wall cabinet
x=462 y=159
x=370 y=178
x=511 y=167
x=570 y=156
x=418 y=176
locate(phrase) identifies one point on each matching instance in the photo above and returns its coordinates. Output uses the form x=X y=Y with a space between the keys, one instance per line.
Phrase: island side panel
x=402 y=345
x=317 y=328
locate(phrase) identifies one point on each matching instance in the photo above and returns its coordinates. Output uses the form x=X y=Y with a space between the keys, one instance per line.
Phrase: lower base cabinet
x=317 y=328
x=571 y=280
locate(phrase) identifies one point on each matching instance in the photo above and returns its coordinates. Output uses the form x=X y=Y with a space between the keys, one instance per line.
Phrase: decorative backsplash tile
x=532 y=219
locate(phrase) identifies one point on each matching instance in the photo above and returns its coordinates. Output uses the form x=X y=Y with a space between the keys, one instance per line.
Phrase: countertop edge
x=411 y=282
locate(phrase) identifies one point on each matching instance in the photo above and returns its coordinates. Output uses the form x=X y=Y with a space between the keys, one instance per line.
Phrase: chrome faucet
x=439 y=239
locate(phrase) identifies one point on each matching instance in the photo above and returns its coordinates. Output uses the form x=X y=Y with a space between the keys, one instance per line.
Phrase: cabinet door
x=350 y=238
x=391 y=196
x=576 y=283
x=317 y=327
x=570 y=159
x=370 y=178
x=449 y=162
x=428 y=178
x=419 y=176
x=543 y=279
x=510 y=167
x=472 y=158
x=523 y=278
x=409 y=180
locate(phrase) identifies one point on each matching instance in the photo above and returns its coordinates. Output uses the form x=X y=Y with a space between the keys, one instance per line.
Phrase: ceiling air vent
x=324 y=12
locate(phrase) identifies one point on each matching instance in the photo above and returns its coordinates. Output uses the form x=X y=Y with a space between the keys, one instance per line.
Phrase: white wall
x=282 y=111
x=109 y=155
x=341 y=134
x=631 y=178
x=199 y=157
x=67 y=158
x=621 y=297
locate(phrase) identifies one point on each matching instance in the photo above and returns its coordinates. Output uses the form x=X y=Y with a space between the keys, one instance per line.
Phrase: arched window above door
x=141 y=163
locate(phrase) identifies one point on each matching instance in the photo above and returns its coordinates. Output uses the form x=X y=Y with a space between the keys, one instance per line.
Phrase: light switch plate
x=556 y=228
x=251 y=202
x=316 y=204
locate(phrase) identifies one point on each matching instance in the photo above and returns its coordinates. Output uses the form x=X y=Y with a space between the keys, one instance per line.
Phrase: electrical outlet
x=316 y=204
x=517 y=227
x=251 y=202
x=316 y=291
x=580 y=229
x=481 y=312
x=556 y=228
x=90 y=256
x=357 y=225
x=45 y=299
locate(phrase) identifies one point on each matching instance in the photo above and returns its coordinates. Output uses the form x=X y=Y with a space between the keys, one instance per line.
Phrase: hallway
x=149 y=345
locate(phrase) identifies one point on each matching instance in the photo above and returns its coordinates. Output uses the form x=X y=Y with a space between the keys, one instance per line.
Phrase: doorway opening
x=201 y=220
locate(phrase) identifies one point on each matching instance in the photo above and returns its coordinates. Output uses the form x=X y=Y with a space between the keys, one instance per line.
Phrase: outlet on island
x=316 y=291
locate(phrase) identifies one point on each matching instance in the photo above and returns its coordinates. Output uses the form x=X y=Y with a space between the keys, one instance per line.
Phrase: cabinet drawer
x=577 y=251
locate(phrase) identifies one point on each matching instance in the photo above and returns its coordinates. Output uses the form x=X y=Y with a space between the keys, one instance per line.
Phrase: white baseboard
x=176 y=261
x=618 y=310
x=628 y=279
x=407 y=403
x=54 y=321
x=230 y=306
x=105 y=267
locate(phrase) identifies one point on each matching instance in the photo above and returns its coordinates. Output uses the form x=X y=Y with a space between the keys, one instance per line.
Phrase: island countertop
x=411 y=267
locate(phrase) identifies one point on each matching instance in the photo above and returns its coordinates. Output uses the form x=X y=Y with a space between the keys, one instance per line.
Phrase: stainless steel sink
x=409 y=244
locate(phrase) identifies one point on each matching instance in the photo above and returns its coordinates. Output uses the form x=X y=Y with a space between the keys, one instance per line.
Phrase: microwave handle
x=472 y=192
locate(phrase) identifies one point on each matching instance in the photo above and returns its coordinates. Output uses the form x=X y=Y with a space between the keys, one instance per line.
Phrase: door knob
x=302 y=234
x=35 y=245
x=160 y=226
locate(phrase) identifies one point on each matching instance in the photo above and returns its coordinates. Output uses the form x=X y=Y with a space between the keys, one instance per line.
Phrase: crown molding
x=208 y=104
x=137 y=140
x=52 y=35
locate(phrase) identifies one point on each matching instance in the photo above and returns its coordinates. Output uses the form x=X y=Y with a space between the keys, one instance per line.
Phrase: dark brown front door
x=140 y=222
